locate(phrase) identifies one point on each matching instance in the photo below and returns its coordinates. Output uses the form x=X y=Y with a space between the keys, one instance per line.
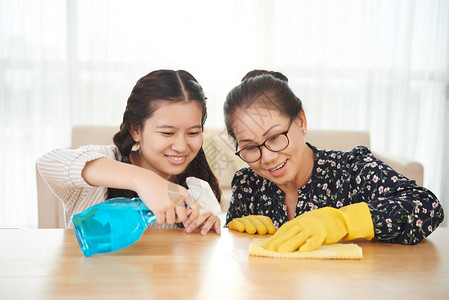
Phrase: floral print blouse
x=402 y=211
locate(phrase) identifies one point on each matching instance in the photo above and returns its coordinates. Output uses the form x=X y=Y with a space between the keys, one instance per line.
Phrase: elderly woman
x=315 y=196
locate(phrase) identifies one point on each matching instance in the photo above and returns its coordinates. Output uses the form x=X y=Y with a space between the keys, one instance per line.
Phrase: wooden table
x=169 y=264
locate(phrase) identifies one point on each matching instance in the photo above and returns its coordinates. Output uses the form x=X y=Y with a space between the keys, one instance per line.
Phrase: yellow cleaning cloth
x=332 y=251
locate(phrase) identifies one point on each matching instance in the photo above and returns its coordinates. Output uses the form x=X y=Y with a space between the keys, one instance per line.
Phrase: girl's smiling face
x=170 y=139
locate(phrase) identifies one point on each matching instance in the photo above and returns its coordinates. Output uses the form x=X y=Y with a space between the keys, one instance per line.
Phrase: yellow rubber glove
x=325 y=225
x=253 y=223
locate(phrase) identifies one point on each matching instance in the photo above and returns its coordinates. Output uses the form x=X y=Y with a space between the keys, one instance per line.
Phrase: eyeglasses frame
x=263 y=144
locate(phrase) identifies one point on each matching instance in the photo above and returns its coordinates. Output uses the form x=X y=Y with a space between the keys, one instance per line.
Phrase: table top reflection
x=169 y=264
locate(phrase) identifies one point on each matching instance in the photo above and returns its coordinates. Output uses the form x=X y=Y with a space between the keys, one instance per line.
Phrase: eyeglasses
x=275 y=143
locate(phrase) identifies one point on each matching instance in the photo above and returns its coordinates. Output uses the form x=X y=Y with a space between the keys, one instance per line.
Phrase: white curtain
x=373 y=65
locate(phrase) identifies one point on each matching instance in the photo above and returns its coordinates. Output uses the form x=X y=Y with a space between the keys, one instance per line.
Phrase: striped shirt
x=61 y=169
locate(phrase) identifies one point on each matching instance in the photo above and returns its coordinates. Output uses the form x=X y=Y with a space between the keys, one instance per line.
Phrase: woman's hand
x=205 y=221
x=326 y=225
x=252 y=224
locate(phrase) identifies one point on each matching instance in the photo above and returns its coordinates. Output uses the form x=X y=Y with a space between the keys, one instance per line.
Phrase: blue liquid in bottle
x=111 y=225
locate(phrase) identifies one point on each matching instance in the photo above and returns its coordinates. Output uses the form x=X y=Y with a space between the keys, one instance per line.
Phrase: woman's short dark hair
x=147 y=95
x=269 y=88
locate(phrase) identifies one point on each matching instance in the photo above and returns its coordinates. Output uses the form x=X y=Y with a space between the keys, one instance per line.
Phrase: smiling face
x=289 y=168
x=170 y=139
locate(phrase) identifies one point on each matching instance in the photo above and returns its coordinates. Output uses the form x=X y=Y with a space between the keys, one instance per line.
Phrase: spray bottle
x=120 y=222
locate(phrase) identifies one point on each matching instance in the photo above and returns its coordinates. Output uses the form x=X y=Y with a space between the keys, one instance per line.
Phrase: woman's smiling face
x=170 y=139
x=255 y=124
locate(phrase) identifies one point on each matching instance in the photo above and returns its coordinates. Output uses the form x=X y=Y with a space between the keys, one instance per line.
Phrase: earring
x=136 y=147
x=304 y=132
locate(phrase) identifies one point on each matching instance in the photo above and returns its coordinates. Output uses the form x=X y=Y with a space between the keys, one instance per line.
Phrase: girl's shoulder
x=111 y=151
x=79 y=155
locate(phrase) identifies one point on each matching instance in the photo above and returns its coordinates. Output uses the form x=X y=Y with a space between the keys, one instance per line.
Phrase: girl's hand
x=167 y=200
x=205 y=221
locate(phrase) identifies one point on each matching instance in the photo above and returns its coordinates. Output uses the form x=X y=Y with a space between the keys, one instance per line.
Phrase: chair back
x=338 y=140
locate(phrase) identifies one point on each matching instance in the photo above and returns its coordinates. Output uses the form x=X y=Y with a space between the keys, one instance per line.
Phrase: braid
x=124 y=142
